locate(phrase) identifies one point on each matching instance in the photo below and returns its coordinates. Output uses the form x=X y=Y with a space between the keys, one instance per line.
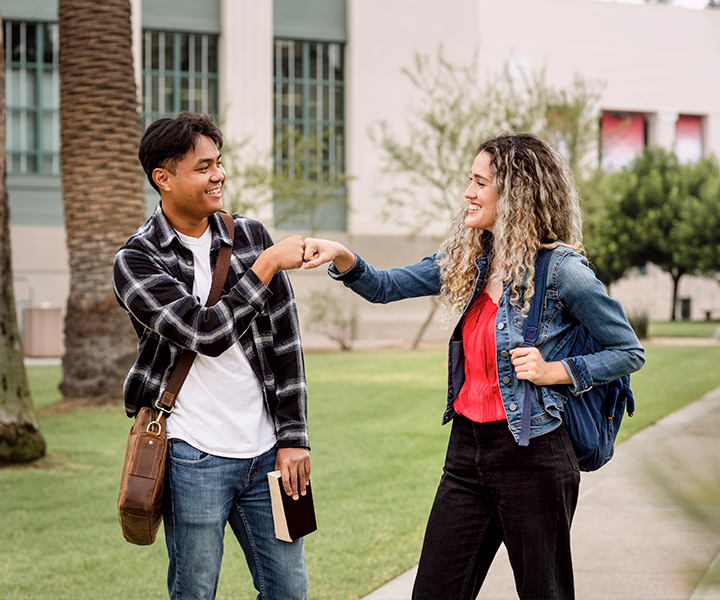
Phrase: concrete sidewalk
x=635 y=536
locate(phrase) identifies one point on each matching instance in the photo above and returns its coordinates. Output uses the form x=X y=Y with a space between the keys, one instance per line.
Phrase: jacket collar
x=166 y=234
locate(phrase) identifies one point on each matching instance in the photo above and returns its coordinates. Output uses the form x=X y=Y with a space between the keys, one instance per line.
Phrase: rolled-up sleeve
x=584 y=297
x=163 y=304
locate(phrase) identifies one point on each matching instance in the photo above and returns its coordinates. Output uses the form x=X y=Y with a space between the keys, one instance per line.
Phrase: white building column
x=661 y=129
x=711 y=134
x=136 y=26
x=246 y=83
x=246 y=72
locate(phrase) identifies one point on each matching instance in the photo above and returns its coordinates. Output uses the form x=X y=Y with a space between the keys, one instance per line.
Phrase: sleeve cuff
x=577 y=369
x=353 y=274
x=293 y=439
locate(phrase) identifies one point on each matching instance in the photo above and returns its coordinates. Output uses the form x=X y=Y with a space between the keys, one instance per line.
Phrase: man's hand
x=318 y=252
x=294 y=467
x=530 y=365
x=283 y=256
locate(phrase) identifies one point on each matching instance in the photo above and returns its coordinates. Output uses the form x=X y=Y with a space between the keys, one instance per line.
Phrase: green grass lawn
x=377 y=456
x=684 y=329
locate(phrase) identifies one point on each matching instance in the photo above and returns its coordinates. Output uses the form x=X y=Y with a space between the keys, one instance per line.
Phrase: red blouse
x=479 y=399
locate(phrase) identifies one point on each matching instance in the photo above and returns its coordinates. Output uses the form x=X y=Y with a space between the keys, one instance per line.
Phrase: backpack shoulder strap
x=533 y=321
x=530 y=333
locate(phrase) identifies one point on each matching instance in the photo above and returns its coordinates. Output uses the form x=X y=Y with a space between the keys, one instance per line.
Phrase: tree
x=697 y=236
x=444 y=129
x=299 y=181
x=333 y=316
x=453 y=114
x=102 y=188
x=20 y=439
x=608 y=255
x=658 y=211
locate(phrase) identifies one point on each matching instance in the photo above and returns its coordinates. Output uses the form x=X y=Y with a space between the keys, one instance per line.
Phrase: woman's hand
x=318 y=252
x=530 y=365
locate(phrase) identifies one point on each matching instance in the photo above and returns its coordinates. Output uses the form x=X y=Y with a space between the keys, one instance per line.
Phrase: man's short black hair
x=167 y=140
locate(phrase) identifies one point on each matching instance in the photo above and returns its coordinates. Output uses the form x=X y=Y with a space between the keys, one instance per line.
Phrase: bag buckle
x=165 y=408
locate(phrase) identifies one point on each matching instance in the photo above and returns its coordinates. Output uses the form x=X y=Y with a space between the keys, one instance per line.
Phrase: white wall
x=651 y=293
x=652 y=58
x=382 y=39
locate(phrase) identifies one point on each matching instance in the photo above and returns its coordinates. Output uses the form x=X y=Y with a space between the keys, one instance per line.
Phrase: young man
x=242 y=409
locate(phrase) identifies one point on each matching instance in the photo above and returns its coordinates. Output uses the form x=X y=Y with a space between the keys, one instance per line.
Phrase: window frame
x=319 y=117
x=607 y=161
x=177 y=74
x=35 y=148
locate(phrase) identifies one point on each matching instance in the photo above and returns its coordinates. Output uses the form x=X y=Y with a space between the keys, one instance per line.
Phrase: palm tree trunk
x=102 y=188
x=20 y=439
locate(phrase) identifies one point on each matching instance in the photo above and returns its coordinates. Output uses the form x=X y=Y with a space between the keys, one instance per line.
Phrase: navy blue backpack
x=593 y=418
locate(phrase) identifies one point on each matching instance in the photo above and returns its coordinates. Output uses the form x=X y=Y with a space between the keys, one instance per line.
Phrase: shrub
x=640 y=322
x=333 y=317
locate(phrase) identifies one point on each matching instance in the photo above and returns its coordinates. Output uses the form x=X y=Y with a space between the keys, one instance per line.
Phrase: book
x=292 y=518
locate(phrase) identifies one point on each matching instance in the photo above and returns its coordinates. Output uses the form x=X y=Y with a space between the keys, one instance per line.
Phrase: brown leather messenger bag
x=143 y=473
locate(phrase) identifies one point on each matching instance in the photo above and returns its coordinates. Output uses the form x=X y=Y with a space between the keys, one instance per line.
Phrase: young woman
x=521 y=198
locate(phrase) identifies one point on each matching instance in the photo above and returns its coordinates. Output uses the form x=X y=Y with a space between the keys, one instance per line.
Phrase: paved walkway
x=635 y=535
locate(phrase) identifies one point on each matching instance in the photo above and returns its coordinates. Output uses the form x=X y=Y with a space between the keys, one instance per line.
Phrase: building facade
x=330 y=70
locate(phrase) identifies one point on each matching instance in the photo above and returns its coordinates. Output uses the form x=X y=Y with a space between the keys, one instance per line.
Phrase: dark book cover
x=293 y=518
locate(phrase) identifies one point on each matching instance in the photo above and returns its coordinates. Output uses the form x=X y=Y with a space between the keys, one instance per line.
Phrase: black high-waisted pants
x=493 y=491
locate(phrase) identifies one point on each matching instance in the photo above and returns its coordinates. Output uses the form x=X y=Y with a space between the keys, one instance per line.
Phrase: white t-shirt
x=220 y=407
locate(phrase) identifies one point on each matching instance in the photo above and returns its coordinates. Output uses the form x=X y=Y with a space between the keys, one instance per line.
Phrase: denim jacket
x=573 y=295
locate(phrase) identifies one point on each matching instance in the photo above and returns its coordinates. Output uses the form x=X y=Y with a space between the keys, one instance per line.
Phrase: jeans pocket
x=182 y=453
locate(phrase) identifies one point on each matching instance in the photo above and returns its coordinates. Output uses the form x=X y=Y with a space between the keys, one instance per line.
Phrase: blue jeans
x=494 y=491
x=202 y=494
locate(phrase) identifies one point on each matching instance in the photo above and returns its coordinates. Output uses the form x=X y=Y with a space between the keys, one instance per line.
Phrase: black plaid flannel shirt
x=153 y=280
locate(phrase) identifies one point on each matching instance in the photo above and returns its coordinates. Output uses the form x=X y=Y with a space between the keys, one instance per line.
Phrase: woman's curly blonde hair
x=538 y=207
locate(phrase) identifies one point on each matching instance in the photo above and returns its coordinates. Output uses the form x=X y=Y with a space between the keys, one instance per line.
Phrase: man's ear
x=161 y=179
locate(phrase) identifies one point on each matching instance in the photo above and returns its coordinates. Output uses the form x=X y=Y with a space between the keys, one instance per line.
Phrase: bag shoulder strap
x=166 y=402
x=533 y=321
x=530 y=333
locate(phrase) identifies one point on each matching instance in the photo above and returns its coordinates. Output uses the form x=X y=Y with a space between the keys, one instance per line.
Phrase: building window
x=180 y=72
x=32 y=92
x=688 y=139
x=622 y=137
x=309 y=123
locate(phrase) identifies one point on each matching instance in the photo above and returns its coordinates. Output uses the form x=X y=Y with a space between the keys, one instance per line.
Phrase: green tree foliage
x=453 y=112
x=605 y=252
x=697 y=235
x=656 y=211
x=299 y=181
